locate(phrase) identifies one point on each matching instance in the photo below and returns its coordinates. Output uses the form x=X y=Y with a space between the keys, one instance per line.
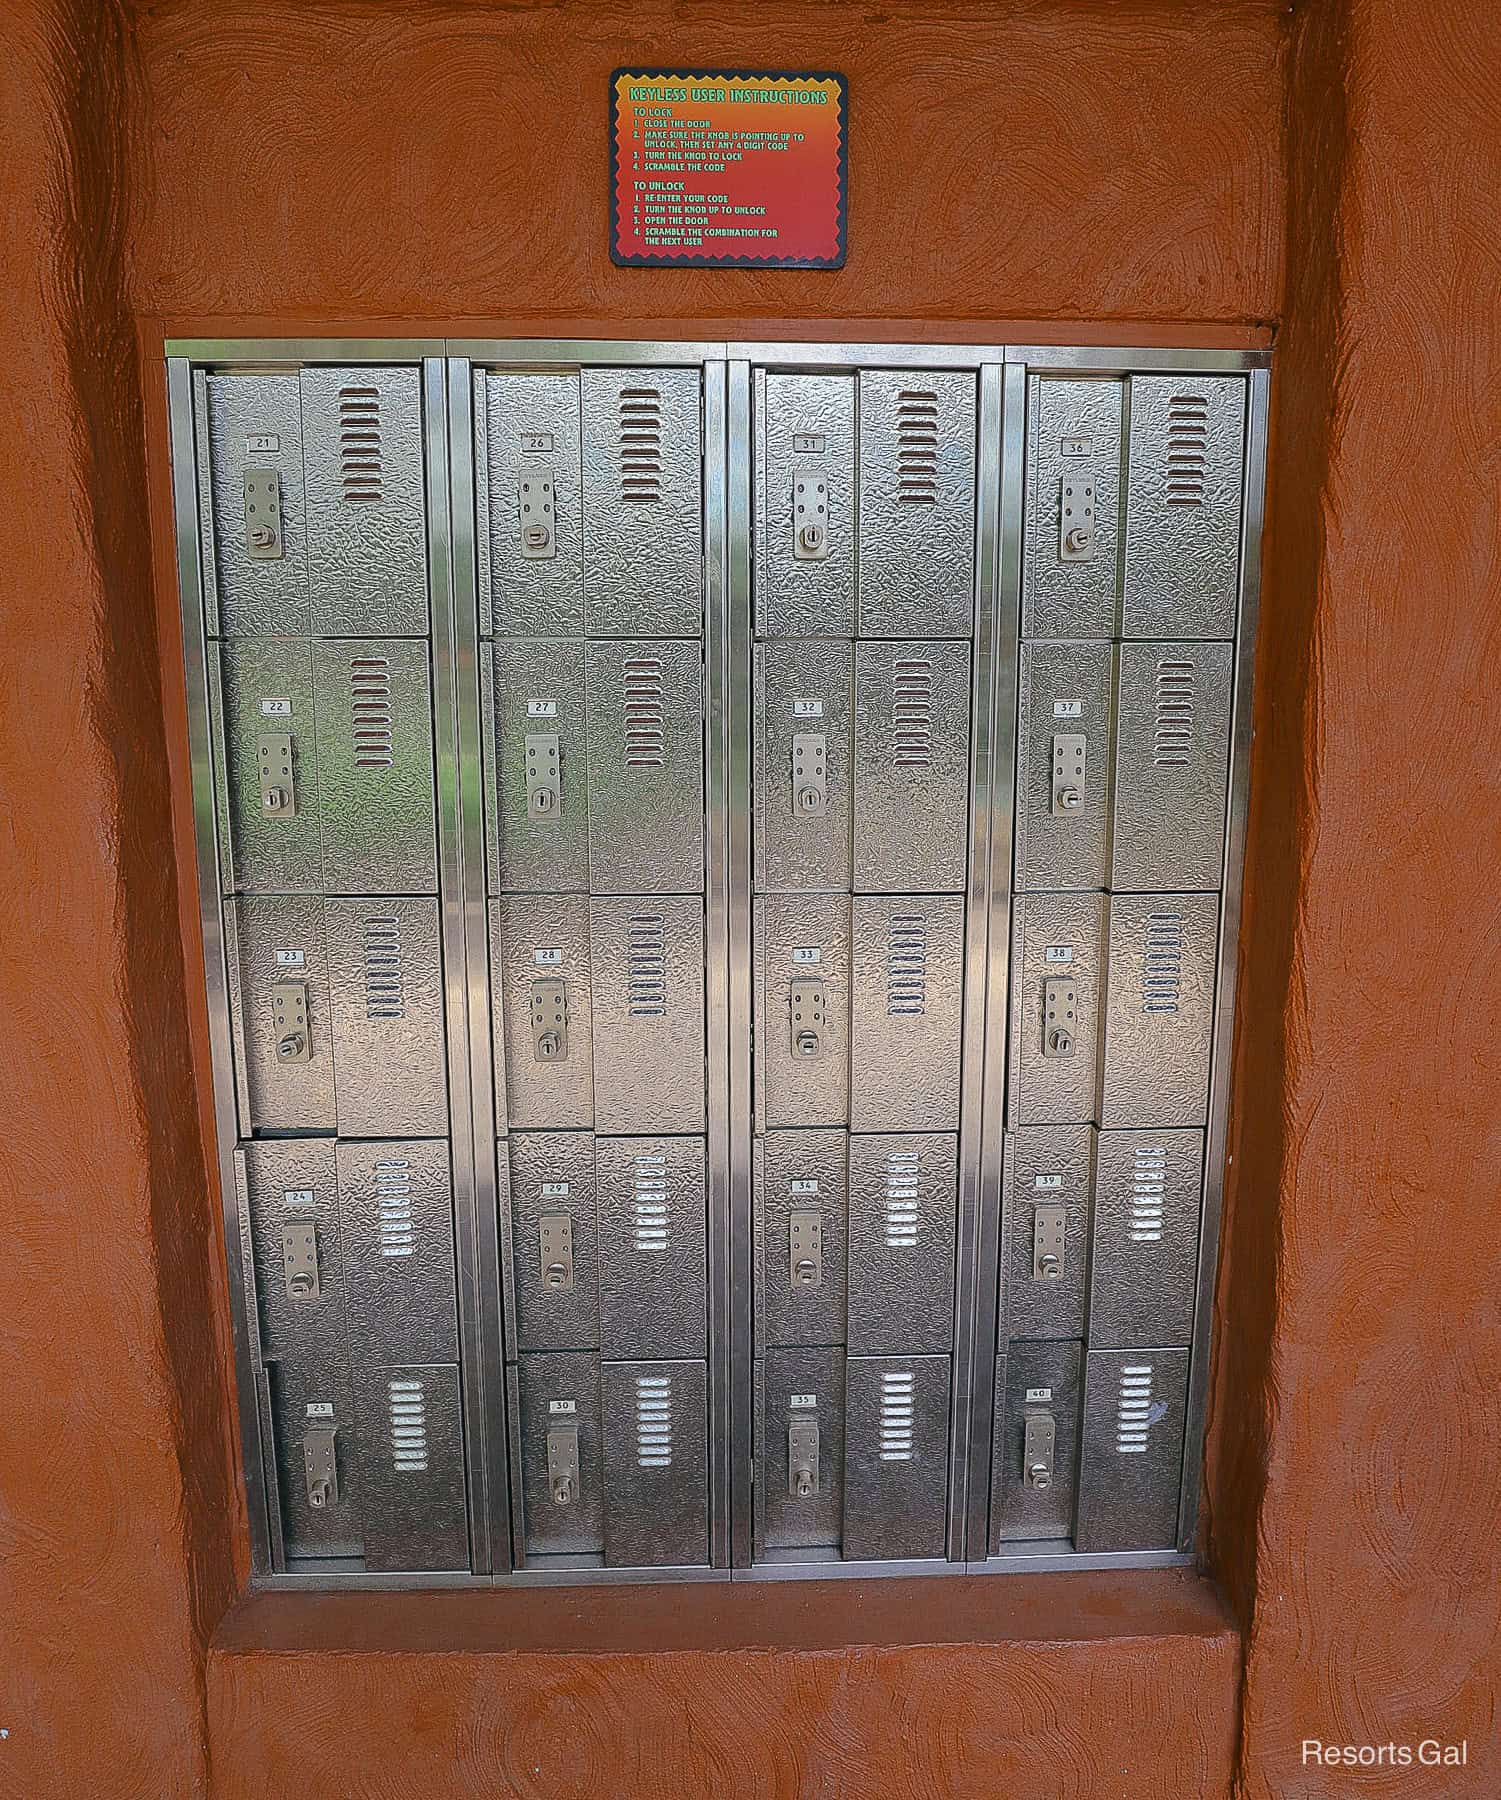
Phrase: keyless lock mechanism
x=1076 y=520
x=1060 y=1015
x=802 y=1458
x=544 y=776
x=809 y=1017
x=805 y=1251
x=549 y=1018
x=563 y=1461
x=289 y=1021
x=1049 y=1225
x=1068 y=772
x=555 y=1240
x=278 y=784
x=537 y=511
x=810 y=774
x=1038 y=1438
x=299 y=1259
x=263 y=539
x=810 y=516
x=320 y=1466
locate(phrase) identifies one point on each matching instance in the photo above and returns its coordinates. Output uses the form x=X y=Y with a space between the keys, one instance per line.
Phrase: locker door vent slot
x=641 y=445
x=646 y=957
x=902 y=1170
x=912 y=713
x=1135 y=1410
x=407 y=1407
x=1187 y=449
x=1147 y=1190
x=907 y=965
x=359 y=443
x=393 y=1205
x=898 y=1410
x=1162 y=962
x=385 y=985
x=645 y=713
x=650 y=1227
x=654 y=1421
x=1173 y=736
x=917 y=448
x=370 y=712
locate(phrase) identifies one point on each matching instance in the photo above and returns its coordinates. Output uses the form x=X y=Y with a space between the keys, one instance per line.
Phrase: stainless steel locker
x=1057 y=961
x=904 y=1197
x=266 y=762
x=540 y=967
x=656 y=1465
x=1172 y=764
x=646 y=767
x=1145 y=1257
x=1035 y=1450
x=396 y=1228
x=917 y=503
x=1072 y=562
x=802 y=782
x=386 y=1004
x=653 y=1247
x=800 y=1188
x=536 y=766
x=252 y=509
x=554 y=1240
x=561 y=1451
x=1063 y=766
x=1183 y=506
x=280 y=1012
x=801 y=959
x=288 y=1197
x=648 y=1000
x=1046 y=1186
x=896 y=1412
x=643 y=502
x=799 y=1495
x=911 y=767
x=1159 y=1009
x=804 y=563
x=529 y=484
x=319 y=1477
x=1132 y=1460
x=411 y=1444
x=907 y=984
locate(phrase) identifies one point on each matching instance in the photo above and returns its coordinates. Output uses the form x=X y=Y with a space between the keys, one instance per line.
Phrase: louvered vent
x=907 y=964
x=393 y=1207
x=407 y=1405
x=1133 y=1409
x=641 y=445
x=359 y=443
x=649 y=1204
x=646 y=966
x=912 y=713
x=1187 y=449
x=654 y=1421
x=1149 y=1184
x=916 y=448
x=898 y=1409
x=901 y=1199
x=370 y=712
x=385 y=986
x=1173 y=735
x=1162 y=962
x=645 y=715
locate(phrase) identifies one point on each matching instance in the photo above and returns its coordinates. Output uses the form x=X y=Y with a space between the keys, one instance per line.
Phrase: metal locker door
x=250 y=495
x=261 y=697
x=386 y=1003
x=412 y=1467
x=366 y=511
x=562 y=1456
x=799 y=1489
x=1132 y=1464
x=907 y=983
x=1145 y=1259
x=802 y=779
x=1159 y=1009
x=1045 y=1193
x=318 y=1473
x=804 y=563
x=1172 y=766
x=1035 y=1450
x=373 y=701
x=656 y=1465
x=529 y=485
x=1072 y=562
x=904 y=1197
x=643 y=502
x=539 y=968
x=536 y=766
x=646 y=767
x=1057 y=957
x=896 y=1437
x=802 y=994
x=1183 y=506
x=801 y=1203
x=280 y=1012
x=917 y=504
x=554 y=1240
x=911 y=767
x=653 y=1247
x=288 y=1198
x=1064 y=741
x=648 y=997
x=396 y=1225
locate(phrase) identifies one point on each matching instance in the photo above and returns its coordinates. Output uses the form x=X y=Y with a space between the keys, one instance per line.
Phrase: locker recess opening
x=719 y=869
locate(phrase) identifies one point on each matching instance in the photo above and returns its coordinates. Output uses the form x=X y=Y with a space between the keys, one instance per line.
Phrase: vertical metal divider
x=1231 y=888
x=259 y=1467
x=471 y=1074
x=1007 y=422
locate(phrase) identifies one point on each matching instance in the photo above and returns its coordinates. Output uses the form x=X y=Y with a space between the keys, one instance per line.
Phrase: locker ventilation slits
x=1147 y=1190
x=1162 y=962
x=359 y=443
x=901 y=1199
x=646 y=973
x=653 y=1422
x=1187 y=449
x=907 y=965
x=898 y=1410
x=641 y=445
x=407 y=1405
x=649 y=1222
x=393 y=1208
x=385 y=985
x=917 y=448
x=1173 y=735
x=912 y=713
x=370 y=712
x=1133 y=1409
x=645 y=714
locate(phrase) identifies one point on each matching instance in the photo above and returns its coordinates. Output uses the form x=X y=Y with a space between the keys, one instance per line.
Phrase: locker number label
x=536 y=443
x=802 y=1187
x=562 y=1406
x=291 y=959
x=807 y=443
x=1058 y=953
x=276 y=709
x=1068 y=709
x=320 y=1409
x=554 y=1190
x=547 y=959
x=542 y=709
x=807 y=709
x=803 y=1400
x=297 y=1196
x=1036 y=1394
x=1048 y=1183
x=807 y=953
x=263 y=443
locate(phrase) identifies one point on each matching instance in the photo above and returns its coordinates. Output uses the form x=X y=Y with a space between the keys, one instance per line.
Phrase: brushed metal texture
x=896 y=1411
x=784 y=1520
x=648 y=1010
x=792 y=598
x=1132 y=1459
x=1024 y=1374
x=532 y=596
x=907 y=986
x=563 y=1386
x=1145 y=1258
x=1063 y=688
x=411 y=1442
x=254 y=597
x=1159 y=1009
x=1045 y=1165
x=794 y=850
x=553 y=1172
x=653 y=1247
x=904 y=1196
x=532 y=936
x=788 y=929
x=656 y=1465
x=1083 y=417
x=523 y=854
x=396 y=1225
x=785 y=1314
x=1057 y=1090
